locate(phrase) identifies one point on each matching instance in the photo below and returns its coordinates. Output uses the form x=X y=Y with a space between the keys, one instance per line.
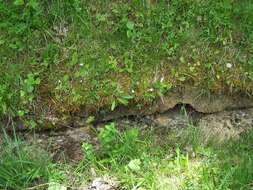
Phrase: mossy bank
x=60 y=57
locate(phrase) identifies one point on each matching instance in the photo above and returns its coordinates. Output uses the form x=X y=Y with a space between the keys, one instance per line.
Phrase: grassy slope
x=59 y=55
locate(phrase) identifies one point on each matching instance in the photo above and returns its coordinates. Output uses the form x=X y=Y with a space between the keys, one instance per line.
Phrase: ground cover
x=58 y=57
x=134 y=158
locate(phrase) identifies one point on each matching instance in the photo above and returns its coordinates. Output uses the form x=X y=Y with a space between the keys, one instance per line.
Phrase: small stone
x=103 y=184
x=229 y=65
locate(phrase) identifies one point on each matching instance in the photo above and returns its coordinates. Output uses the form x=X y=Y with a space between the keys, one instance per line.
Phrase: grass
x=135 y=159
x=28 y=167
x=22 y=166
x=184 y=161
x=80 y=54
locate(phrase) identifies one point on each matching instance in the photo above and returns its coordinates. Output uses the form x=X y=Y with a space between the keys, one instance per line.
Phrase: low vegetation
x=22 y=166
x=137 y=159
x=185 y=161
x=63 y=57
x=59 y=56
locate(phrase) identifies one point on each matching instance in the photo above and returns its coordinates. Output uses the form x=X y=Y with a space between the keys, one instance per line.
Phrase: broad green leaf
x=130 y=25
x=33 y=3
x=74 y=59
x=134 y=165
x=128 y=97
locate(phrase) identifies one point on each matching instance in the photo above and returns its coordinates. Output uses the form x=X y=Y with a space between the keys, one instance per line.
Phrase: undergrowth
x=68 y=54
x=185 y=161
x=136 y=160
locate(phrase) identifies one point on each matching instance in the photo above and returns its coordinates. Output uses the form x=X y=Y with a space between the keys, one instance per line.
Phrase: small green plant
x=114 y=146
x=131 y=33
x=29 y=85
x=89 y=152
x=120 y=98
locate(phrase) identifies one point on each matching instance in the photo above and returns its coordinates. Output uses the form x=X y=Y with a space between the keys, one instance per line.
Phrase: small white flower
x=162 y=79
x=132 y=91
x=229 y=65
x=81 y=64
x=151 y=90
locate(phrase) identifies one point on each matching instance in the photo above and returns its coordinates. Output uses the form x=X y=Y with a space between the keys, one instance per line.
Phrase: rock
x=104 y=183
x=226 y=125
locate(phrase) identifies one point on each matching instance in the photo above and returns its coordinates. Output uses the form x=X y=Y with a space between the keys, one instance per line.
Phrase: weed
x=114 y=146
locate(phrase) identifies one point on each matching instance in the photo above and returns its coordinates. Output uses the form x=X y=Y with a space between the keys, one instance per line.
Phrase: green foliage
x=104 y=54
x=28 y=87
x=120 y=98
x=22 y=166
x=184 y=160
x=27 y=166
x=114 y=146
x=89 y=152
x=173 y=159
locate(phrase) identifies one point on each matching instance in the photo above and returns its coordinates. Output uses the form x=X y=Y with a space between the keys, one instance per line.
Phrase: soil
x=65 y=145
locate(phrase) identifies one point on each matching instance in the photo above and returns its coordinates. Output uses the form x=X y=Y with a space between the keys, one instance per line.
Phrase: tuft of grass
x=22 y=166
x=115 y=146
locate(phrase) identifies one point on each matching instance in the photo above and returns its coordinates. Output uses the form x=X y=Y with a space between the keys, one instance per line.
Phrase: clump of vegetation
x=22 y=166
x=62 y=55
x=28 y=167
x=115 y=146
x=183 y=161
